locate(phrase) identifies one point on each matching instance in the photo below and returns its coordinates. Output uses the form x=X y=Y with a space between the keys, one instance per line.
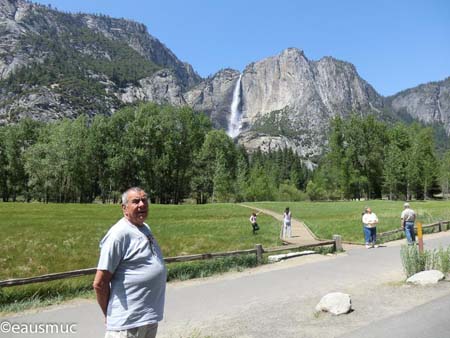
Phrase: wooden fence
x=441 y=226
x=258 y=251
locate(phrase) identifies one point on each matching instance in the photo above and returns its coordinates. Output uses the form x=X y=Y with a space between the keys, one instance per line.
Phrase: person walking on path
x=287 y=216
x=370 y=221
x=255 y=225
x=130 y=282
x=408 y=217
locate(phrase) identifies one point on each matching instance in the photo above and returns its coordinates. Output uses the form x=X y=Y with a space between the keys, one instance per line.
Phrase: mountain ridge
x=55 y=65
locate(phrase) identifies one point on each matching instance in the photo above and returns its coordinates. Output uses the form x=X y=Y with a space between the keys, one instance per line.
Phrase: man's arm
x=102 y=288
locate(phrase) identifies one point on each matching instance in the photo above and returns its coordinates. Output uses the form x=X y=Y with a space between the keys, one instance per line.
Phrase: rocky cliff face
x=214 y=95
x=285 y=101
x=36 y=36
x=162 y=87
x=289 y=95
x=429 y=103
x=11 y=13
x=137 y=37
x=19 y=18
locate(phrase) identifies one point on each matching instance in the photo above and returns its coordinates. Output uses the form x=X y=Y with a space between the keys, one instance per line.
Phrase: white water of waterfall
x=234 y=125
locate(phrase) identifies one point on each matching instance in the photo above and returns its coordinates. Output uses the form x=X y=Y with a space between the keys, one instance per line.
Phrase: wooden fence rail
x=258 y=251
x=439 y=225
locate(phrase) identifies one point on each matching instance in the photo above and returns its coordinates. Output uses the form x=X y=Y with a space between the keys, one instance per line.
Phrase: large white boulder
x=337 y=303
x=426 y=277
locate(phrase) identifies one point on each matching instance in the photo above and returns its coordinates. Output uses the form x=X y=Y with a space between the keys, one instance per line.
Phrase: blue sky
x=394 y=44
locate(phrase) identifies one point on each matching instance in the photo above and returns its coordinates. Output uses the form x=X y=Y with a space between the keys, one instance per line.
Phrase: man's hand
x=102 y=288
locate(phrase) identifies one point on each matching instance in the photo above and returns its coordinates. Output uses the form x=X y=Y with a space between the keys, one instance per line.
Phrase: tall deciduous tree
x=216 y=144
x=18 y=138
x=427 y=160
x=223 y=183
x=397 y=154
x=354 y=162
x=99 y=140
x=261 y=186
x=444 y=174
x=241 y=174
x=393 y=170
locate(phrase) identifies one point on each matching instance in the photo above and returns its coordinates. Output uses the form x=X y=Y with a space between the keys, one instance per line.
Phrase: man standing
x=130 y=282
x=408 y=217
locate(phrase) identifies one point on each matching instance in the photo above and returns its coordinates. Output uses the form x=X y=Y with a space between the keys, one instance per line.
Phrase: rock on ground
x=336 y=303
x=426 y=277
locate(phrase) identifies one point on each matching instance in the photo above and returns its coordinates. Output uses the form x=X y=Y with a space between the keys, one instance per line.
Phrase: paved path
x=278 y=300
x=300 y=232
x=429 y=320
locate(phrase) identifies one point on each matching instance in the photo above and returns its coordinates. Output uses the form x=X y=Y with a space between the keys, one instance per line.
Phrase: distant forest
x=173 y=153
x=176 y=156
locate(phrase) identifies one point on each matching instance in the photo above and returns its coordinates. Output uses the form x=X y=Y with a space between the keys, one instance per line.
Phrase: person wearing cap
x=408 y=217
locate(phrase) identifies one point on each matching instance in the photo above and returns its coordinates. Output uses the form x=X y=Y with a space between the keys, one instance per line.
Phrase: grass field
x=46 y=238
x=326 y=219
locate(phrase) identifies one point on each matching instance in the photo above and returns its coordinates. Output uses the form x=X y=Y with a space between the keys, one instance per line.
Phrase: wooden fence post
x=420 y=236
x=259 y=254
x=337 y=242
x=440 y=226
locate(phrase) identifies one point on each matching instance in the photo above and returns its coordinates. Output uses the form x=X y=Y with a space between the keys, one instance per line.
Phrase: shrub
x=289 y=192
x=443 y=260
x=315 y=192
x=414 y=261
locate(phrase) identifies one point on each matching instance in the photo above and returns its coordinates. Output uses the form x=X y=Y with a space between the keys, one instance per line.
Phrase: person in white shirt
x=287 y=223
x=370 y=221
x=255 y=225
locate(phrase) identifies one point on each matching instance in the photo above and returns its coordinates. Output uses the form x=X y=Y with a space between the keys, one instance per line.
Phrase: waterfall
x=234 y=124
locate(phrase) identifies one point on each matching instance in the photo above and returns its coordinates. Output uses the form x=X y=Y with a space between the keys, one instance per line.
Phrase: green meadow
x=326 y=219
x=46 y=238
